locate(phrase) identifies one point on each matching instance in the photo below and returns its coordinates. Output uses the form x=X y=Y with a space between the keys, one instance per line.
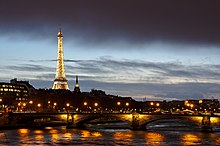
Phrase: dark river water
x=158 y=134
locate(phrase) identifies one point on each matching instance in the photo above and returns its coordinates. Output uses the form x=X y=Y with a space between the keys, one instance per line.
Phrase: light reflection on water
x=61 y=136
x=190 y=139
x=154 y=138
x=123 y=138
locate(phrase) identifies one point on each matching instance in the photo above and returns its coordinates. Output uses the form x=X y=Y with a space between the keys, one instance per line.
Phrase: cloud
x=135 y=78
x=107 y=69
x=99 y=22
x=30 y=68
x=142 y=71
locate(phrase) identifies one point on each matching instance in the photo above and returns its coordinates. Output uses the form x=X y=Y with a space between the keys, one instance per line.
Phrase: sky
x=145 y=49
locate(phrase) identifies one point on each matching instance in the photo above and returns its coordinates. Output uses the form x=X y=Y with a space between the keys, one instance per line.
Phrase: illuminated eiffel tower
x=60 y=81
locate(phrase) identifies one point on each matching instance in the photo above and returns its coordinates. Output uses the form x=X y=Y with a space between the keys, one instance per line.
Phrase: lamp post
x=67 y=107
x=118 y=104
x=1 y=104
x=96 y=105
x=85 y=105
x=54 y=105
x=30 y=106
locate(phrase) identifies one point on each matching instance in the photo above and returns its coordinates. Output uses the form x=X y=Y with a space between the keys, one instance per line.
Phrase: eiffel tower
x=60 y=81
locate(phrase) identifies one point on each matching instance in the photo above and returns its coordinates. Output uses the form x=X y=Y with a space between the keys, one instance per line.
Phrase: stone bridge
x=137 y=121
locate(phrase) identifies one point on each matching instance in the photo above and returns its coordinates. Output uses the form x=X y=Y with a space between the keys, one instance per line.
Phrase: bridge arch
x=81 y=120
x=180 y=119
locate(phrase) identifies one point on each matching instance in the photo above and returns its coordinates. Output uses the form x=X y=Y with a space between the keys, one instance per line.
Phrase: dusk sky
x=153 y=49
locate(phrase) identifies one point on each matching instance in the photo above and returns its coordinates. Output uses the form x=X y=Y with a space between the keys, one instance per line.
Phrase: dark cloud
x=99 y=21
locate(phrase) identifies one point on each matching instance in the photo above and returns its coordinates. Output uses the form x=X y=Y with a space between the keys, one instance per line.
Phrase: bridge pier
x=70 y=121
x=135 y=124
x=206 y=124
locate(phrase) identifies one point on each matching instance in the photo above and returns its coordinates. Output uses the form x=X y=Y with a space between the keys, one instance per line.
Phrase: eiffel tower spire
x=60 y=81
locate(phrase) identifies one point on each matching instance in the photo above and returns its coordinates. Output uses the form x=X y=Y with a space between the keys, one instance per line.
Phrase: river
x=157 y=135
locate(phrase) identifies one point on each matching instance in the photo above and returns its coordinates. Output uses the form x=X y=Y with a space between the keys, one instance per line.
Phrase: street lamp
x=54 y=103
x=151 y=103
x=67 y=104
x=38 y=105
x=158 y=104
x=31 y=102
x=0 y=100
x=85 y=103
x=96 y=104
x=118 y=103
x=127 y=104
x=24 y=104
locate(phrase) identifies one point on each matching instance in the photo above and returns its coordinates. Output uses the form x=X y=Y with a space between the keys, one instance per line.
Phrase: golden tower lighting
x=60 y=81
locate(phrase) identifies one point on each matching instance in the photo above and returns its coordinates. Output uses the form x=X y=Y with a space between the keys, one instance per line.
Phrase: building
x=60 y=81
x=15 y=91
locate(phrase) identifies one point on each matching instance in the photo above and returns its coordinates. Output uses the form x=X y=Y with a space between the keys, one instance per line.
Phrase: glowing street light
x=158 y=104
x=67 y=104
x=24 y=104
x=0 y=100
x=19 y=104
x=151 y=103
x=31 y=102
x=85 y=103
x=54 y=103
x=96 y=104
x=118 y=103
x=127 y=104
x=191 y=105
x=48 y=102
x=38 y=105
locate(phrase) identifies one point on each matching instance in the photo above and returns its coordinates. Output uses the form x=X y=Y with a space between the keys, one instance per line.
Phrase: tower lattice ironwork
x=60 y=81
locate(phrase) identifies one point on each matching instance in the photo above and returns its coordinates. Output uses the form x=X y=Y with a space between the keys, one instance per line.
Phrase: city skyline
x=158 y=50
